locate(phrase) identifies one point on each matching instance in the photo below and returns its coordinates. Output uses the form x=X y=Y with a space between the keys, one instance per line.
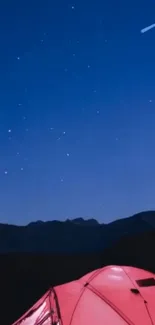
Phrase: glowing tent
x=112 y=295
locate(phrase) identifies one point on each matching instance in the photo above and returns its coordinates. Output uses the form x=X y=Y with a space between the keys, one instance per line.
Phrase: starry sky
x=77 y=109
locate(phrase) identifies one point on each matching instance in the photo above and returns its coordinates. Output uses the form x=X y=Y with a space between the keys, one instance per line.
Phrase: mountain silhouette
x=71 y=236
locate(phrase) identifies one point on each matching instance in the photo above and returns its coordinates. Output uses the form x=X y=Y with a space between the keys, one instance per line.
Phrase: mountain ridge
x=143 y=214
x=71 y=236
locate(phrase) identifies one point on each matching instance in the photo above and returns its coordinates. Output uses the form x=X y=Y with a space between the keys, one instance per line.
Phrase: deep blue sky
x=77 y=92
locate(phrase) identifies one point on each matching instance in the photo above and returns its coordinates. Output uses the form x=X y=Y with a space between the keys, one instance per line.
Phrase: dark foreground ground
x=25 y=277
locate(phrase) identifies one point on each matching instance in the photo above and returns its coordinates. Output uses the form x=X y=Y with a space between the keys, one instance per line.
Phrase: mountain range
x=71 y=236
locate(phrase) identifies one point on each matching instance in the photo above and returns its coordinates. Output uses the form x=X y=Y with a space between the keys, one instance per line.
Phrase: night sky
x=77 y=109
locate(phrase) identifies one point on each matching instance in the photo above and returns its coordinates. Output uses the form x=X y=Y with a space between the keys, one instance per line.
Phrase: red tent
x=113 y=295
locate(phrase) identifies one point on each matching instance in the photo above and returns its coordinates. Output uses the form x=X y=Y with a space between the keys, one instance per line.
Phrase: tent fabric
x=111 y=295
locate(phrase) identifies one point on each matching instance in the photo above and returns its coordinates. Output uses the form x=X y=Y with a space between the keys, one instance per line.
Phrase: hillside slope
x=71 y=236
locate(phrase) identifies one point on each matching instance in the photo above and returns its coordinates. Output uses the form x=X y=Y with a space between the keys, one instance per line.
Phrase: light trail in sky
x=146 y=29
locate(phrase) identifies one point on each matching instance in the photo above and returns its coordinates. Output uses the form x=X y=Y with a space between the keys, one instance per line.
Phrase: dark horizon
x=84 y=218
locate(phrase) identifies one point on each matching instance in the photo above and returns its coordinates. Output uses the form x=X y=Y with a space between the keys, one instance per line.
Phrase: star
x=73 y=7
x=88 y=66
x=18 y=58
x=5 y=172
x=64 y=132
x=98 y=112
x=9 y=131
x=22 y=169
x=150 y=101
x=67 y=154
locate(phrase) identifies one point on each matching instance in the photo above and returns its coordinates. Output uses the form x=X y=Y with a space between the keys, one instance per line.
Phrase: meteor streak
x=146 y=29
